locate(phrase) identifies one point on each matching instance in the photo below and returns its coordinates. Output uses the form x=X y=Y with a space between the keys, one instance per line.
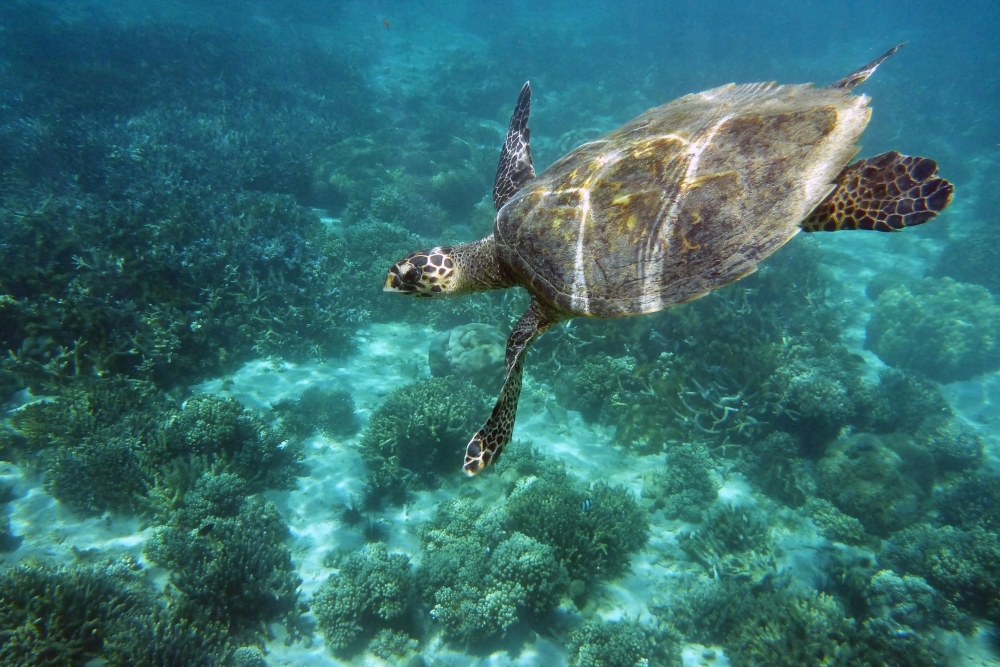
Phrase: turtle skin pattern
x=884 y=193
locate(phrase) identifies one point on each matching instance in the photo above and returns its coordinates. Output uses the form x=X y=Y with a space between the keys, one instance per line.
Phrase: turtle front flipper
x=515 y=168
x=885 y=193
x=489 y=441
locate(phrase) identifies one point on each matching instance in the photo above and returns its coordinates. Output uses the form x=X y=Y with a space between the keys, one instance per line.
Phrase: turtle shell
x=684 y=199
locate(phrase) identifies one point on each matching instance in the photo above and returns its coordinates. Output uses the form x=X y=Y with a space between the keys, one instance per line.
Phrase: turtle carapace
x=680 y=201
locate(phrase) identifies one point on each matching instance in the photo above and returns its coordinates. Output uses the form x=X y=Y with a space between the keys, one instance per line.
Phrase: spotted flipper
x=859 y=76
x=886 y=193
x=515 y=168
x=489 y=441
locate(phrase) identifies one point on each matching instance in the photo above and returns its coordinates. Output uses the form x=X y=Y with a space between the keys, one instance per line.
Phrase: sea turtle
x=680 y=201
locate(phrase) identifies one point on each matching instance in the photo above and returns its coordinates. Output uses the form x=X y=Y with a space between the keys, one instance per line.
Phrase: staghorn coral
x=783 y=629
x=177 y=634
x=373 y=590
x=938 y=327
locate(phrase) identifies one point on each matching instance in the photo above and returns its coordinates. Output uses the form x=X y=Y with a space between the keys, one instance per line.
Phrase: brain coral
x=941 y=328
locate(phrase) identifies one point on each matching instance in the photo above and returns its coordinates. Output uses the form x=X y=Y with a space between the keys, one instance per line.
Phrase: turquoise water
x=224 y=444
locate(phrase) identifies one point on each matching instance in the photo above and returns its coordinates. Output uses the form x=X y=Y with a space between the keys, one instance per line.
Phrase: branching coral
x=593 y=531
x=372 y=591
x=622 y=644
x=687 y=485
x=481 y=579
x=177 y=634
x=418 y=432
x=329 y=411
x=62 y=616
x=938 y=327
x=222 y=429
x=236 y=569
x=866 y=477
x=963 y=564
x=776 y=466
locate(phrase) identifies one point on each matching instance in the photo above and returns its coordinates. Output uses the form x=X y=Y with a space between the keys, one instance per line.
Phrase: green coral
x=329 y=411
x=593 y=531
x=223 y=429
x=866 y=477
x=732 y=543
x=775 y=464
x=687 y=485
x=971 y=501
x=235 y=568
x=622 y=644
x=903 y=401
x=833 y=524
x=955 y=447
x=786 y=630
x=481 y=579
x=943 y=329
x=964 y=565
x=61 y=616
x=177 y=634
x=373 y=590
x=601 y=388
x=97 y=475
x=417 y=434
x=817 y=388
x=903 y=614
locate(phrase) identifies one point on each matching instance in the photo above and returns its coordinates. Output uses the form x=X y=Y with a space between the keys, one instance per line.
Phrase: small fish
x=385 y=22
x=205 y=529
x=585 y=507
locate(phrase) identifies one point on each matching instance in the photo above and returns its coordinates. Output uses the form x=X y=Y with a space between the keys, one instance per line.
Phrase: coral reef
x=964 y=565
x=776 y=466
x=686 y=486
x=177 y=634
x=235 y=568
x=222 y=429
x=62 y=616
x=480 y=579
x=329 y=411
x=593 y=531
x=417 y=432
x=938 y=327
x=473 y=352
x=866 y=477
x=622 y=644
x=372 y=591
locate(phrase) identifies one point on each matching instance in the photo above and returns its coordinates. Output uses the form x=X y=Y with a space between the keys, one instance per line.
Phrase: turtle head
x=424 y=273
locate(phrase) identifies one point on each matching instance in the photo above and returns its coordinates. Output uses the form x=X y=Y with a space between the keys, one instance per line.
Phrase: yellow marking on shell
x=630 y=223
x=623 y=200
x=687 y=244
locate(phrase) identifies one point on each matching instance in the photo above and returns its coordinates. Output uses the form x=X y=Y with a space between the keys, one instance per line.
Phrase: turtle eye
x=411 y=276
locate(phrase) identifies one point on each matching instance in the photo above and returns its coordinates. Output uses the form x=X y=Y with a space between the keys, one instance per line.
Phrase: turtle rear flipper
x=885 y=193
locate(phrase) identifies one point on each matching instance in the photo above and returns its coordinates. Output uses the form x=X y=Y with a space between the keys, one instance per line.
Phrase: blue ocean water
x=224 y=444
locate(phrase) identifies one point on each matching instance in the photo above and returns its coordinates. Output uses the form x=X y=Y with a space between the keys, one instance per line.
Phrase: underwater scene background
x=222 y=444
